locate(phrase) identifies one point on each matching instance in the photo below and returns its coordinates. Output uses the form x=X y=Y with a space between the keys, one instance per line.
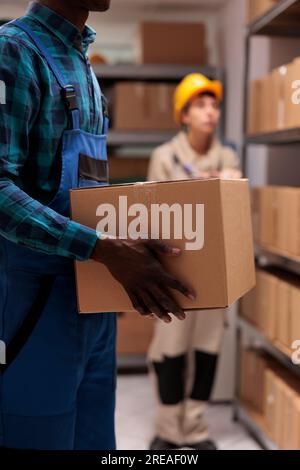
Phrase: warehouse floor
x=135 y=407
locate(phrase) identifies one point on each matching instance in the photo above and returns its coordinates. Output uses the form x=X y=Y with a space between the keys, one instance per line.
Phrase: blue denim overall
x=58 y=391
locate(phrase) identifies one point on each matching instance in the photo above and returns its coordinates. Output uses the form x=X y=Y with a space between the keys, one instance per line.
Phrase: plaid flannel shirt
x=32 y=123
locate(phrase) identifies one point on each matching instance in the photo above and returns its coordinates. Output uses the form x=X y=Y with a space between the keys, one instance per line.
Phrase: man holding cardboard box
x=58 y=384
x=194 y=345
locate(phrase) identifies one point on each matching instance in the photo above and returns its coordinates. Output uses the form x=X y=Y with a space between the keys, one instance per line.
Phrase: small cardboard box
x=290 y=425
x=295 y=314
x=294 y=221
x=172 y=43
x=264 y=106
x=142 y=106
x=277 y=102
x=267 y=303
x=254 y=106
x=292 y=96
x=209 y=220
x=257 y=8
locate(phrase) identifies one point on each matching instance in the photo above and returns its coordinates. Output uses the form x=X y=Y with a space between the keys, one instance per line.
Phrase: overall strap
x=105 y=115
x=68 y=91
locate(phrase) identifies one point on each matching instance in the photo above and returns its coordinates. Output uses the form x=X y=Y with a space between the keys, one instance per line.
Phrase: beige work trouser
x=182 y=361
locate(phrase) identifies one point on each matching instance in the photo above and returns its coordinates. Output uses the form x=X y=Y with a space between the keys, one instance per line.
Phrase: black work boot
x=160 y=444
x=203 y=445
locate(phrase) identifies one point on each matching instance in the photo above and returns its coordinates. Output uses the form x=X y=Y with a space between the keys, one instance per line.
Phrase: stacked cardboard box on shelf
x=276 y=219
x=257 y=8
x=273 y=306
x=172 y=43
x=274 y=394
x=252 y=380
x=274 y=100
x=142 y=106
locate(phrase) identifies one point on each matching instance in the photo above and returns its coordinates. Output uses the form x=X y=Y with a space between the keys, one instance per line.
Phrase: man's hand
x=136 y=266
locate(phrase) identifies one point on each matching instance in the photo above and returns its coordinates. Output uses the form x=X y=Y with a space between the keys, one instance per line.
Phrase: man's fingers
x=162 y=248
x=179 y=286
x=139 y=305
x=168 y=303
x=154 y=306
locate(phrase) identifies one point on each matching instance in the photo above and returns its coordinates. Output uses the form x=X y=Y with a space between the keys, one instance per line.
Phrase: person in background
x=183 y=357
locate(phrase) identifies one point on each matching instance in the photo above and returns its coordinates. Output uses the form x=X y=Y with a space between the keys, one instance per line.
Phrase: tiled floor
x=135 y=419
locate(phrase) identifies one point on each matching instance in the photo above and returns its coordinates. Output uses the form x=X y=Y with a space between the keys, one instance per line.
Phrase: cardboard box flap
x=238 y=241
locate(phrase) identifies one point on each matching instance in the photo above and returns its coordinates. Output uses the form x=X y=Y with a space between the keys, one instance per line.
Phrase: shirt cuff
x=78 y=242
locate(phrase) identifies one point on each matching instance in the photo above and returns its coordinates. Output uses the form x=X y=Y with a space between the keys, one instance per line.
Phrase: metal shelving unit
x=271 y=256
x=284 y=137
x=153 y=72
x=283 y=20
x=263 y=342
x=121 y=138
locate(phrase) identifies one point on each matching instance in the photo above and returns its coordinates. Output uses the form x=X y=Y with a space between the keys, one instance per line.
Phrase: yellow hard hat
x=191 y=86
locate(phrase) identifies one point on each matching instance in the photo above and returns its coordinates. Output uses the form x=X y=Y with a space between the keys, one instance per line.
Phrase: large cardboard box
x=172 y=43
x=142 y=106
x=209 y=220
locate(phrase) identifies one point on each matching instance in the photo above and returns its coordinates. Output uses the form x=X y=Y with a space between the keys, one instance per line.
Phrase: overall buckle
x=70 y=97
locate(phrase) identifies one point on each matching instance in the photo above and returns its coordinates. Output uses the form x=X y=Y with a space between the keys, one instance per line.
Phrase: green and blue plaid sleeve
x=23 y=219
